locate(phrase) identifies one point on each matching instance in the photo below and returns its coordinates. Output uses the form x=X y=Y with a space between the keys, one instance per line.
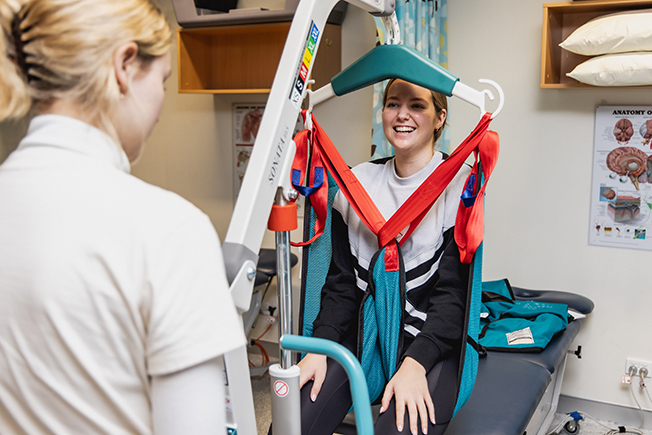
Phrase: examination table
x=517 y=393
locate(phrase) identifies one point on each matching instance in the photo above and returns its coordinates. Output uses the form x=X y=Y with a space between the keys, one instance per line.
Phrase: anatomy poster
x=621 y=193
x=246 y=121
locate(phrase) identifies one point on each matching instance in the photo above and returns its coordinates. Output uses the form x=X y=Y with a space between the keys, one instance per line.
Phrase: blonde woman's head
x=53 y=50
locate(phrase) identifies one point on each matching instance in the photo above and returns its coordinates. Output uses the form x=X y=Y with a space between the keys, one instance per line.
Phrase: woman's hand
x=313 y=367
x=410 y=387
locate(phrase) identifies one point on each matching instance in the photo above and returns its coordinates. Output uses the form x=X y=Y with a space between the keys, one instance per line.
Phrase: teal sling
x=381 y=324
x=381 y=316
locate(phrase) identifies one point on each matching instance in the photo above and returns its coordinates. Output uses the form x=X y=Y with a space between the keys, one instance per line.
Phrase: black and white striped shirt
x=436 y=281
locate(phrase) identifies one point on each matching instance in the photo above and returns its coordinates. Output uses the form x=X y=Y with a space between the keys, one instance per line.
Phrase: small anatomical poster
x=621 y=193
x=246 y=121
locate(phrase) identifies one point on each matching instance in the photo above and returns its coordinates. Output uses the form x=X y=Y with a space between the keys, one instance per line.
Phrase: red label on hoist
x=303 y=72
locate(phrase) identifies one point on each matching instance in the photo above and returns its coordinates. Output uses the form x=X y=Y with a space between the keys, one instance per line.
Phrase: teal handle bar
x=359 y=392
x=389 y=61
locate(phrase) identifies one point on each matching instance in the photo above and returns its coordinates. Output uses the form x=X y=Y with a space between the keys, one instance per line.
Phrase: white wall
x=190 y=151
x=537 y=206
x=10 y=134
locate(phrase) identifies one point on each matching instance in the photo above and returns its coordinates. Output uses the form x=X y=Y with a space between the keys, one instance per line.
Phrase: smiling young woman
x=421 y=394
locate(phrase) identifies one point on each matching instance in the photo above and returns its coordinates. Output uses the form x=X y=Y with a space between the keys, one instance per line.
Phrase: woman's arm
x=313 y=368
x=340 y=301
x=190 y=401
x=410 y=387
x=340 y=297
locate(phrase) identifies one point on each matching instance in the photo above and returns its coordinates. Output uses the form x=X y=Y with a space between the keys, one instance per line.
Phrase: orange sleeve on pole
x=283 y=217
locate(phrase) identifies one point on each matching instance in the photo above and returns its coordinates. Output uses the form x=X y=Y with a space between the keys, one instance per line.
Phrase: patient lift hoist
x=267 y=183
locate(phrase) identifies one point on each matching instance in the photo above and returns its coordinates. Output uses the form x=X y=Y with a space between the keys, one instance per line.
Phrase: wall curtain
x=423 y=27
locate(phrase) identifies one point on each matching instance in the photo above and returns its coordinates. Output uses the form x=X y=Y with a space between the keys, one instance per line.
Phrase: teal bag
x=509 y=325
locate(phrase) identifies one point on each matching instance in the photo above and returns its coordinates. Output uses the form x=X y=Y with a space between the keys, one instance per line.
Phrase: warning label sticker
x=522 y=336
x=281 y=388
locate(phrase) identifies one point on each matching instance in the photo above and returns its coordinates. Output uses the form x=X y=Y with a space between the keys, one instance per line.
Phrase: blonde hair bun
x=68 y=47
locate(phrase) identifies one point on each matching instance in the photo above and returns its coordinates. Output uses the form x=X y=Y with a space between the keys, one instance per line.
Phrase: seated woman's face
x=410 y=118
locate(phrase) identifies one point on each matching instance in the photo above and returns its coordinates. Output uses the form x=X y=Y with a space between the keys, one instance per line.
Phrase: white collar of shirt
x=77 y=136
x=419 y=177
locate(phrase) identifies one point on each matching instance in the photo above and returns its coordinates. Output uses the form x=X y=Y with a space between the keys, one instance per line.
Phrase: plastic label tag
x=522 y=336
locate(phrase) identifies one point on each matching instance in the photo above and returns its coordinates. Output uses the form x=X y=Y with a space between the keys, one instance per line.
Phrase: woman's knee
x=331 y=405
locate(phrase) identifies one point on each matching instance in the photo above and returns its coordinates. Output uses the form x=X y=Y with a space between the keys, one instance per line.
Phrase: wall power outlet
x=638 y=364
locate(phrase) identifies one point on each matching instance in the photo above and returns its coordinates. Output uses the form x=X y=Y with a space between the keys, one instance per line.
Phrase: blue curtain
x=423 y=27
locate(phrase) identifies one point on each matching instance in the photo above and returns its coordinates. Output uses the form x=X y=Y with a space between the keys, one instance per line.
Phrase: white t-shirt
x=105 y=281
x=388 y=192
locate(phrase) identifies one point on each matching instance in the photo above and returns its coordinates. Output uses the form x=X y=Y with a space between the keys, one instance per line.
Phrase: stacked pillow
x=622 y=43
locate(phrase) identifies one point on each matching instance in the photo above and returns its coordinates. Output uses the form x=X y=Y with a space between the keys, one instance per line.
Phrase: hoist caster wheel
x=572 y=427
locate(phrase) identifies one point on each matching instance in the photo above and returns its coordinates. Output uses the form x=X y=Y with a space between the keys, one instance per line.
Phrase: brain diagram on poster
x=246 y=122
x=621 y=197
x=247 y=119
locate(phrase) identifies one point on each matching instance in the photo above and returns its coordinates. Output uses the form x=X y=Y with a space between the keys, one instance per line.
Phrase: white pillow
x=615 y=33
x=624 y=69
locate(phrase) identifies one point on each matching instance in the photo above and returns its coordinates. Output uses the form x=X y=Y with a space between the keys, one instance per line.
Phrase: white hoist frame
x=268 y=176
x=268 y=171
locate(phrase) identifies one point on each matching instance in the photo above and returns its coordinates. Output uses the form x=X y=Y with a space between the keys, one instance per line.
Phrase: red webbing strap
x=469 y=223
x=319 y=195
x=300 y=162
x=419 y=203
x=359 y=199
x=351 y=188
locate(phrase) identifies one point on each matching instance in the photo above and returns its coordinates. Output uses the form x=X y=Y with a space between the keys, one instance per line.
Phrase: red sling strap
x=419 y=203
x=349 y=184
x=353 y=190
x=469 y=222
x=317 y=187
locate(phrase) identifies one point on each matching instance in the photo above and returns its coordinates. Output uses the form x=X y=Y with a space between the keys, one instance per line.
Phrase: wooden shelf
x=559 y=21
x=243 y=59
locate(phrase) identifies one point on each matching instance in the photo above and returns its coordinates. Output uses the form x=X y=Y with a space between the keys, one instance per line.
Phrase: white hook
x=307 y=123
x=478 y=98
x=392 y=29
x=488 y=93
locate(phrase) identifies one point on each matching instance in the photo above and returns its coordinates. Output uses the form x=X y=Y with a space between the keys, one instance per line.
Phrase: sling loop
x=469 y=223
x=419 y=203
x=318 y=192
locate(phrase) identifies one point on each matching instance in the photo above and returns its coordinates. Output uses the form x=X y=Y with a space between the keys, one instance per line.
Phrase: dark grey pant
x=334 y=401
